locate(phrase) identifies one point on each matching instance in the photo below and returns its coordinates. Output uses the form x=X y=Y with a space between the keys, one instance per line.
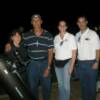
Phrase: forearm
x=50 y=56
x=96 y=64
x=74 y=53
x=97 y=56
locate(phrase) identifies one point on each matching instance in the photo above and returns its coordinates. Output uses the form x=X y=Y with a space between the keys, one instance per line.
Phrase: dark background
x=14 y=14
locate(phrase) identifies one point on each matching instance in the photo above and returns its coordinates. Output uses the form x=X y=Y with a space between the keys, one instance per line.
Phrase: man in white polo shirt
x=88 y=58
x=65 y=56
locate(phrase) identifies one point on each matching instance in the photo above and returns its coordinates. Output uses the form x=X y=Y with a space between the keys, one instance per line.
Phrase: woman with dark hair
x=65 y=55
x=16 y=53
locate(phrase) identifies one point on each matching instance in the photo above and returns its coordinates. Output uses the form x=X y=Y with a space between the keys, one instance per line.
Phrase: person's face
x=36 y=22
x=62 y=27
x=16 y=38
x=82 y=23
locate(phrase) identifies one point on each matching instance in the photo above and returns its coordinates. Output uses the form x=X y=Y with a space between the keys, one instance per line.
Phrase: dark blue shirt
x=37 y=47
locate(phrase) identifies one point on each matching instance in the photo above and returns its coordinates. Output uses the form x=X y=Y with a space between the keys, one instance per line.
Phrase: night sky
x=18 y=13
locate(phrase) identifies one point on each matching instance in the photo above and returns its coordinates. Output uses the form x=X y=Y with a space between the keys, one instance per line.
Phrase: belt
x=86 y=60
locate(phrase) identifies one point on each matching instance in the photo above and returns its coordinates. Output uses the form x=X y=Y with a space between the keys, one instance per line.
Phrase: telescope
x=12 y=81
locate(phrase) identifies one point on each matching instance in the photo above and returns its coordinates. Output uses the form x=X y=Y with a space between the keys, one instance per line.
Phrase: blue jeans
x=63 y=78
x=87 y=76
x=35 y=73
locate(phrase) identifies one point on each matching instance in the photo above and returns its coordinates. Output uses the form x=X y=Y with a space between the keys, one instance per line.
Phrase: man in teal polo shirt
x=39 y=44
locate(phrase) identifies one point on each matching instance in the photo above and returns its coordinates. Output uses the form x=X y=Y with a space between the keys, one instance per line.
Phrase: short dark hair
x=63 y=21
x=82 y=16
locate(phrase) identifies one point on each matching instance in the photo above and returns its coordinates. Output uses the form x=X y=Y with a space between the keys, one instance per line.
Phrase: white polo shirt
x=63 y=50
x=88 y=42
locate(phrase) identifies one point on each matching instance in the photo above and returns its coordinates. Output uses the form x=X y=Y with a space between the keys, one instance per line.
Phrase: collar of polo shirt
x=85 y=32
x=65 y=36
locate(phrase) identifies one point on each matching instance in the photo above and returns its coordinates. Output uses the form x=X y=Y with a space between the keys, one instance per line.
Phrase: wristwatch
x=49 y=68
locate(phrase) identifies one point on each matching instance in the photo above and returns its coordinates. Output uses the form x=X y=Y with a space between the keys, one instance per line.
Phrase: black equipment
x=12 y=81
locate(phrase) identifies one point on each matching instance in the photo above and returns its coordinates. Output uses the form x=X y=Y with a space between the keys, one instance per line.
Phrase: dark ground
x=75 y=92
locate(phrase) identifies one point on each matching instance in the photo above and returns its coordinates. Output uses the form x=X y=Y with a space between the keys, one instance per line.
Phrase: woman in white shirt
x=65 y=55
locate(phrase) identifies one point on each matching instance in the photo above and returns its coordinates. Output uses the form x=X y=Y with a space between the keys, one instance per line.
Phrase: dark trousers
x=87 y=76
x=35 y=73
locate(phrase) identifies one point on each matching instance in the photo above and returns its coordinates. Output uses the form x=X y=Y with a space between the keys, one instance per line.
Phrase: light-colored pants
x=63 y=78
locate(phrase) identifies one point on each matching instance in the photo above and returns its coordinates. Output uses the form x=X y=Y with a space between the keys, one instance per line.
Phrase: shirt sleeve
x=24 y=45
x=73 y=44
x=96 y=42
x=50 y=42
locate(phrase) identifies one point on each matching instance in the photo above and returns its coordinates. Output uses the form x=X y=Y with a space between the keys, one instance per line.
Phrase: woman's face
x=62 y=27
x=16 y=38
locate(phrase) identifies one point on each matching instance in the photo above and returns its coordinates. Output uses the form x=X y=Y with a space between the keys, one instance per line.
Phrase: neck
x=62 y=35
x=16 y=45
x=38 y=31
x=83 y=30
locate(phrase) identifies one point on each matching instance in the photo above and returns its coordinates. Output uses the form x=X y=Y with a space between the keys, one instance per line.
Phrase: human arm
x=74 y=54
x=96 y=45
x=50 y=57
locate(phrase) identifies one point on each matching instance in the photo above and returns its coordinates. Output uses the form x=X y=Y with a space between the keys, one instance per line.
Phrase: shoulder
x=90 y=30
x=47 y=34
x=93 y=33
x=27 y=34
x=56 y=37
x=70 y=35
x=77 y=34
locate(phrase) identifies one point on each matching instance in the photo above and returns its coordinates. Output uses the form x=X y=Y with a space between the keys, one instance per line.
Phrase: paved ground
x=75 y=92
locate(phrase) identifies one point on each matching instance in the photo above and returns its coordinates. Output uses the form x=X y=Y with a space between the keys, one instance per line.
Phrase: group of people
x=38 y=46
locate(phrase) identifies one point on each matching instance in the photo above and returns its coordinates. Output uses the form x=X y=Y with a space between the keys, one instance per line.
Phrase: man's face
x=62 y=26
x=36 y=22
x=82 y=23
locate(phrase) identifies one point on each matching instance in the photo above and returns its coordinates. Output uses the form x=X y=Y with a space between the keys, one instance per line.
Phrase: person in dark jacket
x=15 y=52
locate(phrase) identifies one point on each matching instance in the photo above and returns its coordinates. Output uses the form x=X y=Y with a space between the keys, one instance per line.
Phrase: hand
x=70 y=70
x=95 y=66
x=7 y=48
x=46 y=72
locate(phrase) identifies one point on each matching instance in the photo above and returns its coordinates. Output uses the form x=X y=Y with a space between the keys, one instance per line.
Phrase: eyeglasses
x=79 y=39
x=61 y=43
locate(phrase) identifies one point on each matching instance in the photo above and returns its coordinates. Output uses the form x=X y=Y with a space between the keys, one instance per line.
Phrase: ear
x=31 y=22
x=86 y=22
x=77 y=23
x=57 y=27
x=41 y=22
x=66 y=27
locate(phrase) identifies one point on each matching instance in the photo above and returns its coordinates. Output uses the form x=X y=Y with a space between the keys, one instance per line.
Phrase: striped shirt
x=37 y=47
